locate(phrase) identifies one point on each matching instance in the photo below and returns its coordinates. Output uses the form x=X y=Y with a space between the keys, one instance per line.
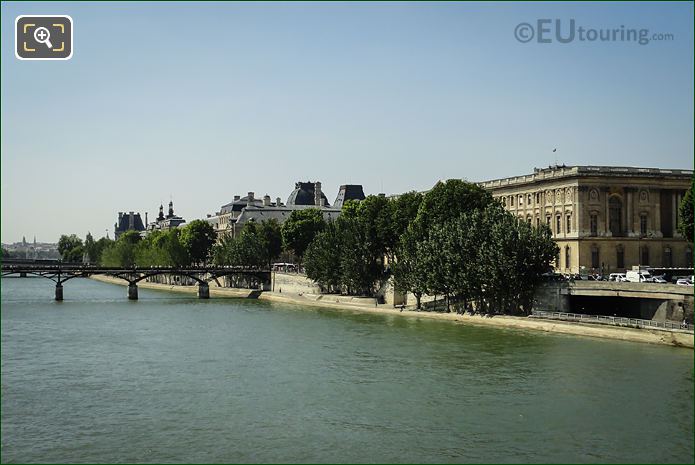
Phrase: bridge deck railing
x=614 y=321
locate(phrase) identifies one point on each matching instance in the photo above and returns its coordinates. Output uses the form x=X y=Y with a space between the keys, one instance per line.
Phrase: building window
x=529 y=198
x=504 y=201
x=538 y=221
x=568 y=224
x=644 y=256
x=521 y=200
x=568 y=259
x=594 y=224
x=528 y=220
x=668 y=258
x=615 y=215
x=643 y=224
x=558 y=224
x=688 y=257
x=547 y=221
x=511 y=201
x=620 y=257
x=538 y=198
x=594 y=257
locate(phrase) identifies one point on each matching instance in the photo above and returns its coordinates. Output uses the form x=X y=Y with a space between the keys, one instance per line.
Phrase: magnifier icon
x=42 y=36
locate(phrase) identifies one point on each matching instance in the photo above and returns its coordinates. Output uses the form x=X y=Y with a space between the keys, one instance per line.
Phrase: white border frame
x=72 y=40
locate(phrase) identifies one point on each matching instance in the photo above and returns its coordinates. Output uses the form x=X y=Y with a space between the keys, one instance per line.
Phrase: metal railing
x=614 y=321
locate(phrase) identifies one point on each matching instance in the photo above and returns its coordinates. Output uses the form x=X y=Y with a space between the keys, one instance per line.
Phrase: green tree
x=300 y=229
x=323 y=257
x=404 y=210
x=448 y=200
x=122 y=252
x=70 y=248
x=270 y=234
x=686 y=213
x=198 y=238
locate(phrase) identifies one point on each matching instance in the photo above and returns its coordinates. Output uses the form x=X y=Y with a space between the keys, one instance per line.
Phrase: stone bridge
x=661 y=302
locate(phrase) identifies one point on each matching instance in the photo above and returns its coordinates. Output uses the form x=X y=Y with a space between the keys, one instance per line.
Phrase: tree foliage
x=197 y=239
x=122 y=252
x=300 y=229
x=71 y=248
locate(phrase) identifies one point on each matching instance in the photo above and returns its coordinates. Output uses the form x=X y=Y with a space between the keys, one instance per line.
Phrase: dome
x=303 y=194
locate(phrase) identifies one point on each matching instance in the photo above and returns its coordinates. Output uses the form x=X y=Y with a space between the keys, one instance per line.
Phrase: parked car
x=659 y=279
x=638 y=276
x=684 y=282
x=617 y=277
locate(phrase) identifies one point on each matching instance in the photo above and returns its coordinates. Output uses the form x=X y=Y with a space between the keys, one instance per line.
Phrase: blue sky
x=199 y=102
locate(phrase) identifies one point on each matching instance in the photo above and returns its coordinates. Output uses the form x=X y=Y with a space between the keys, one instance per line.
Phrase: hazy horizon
x=201 y=102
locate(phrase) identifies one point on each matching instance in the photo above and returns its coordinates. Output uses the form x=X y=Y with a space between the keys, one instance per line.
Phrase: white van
x=617 y=277
x=638 y=277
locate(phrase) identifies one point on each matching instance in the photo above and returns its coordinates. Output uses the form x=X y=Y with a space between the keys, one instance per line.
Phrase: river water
x=170 y=378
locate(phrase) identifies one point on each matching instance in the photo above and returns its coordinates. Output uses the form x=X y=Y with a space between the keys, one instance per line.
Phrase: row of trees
x=455 y=241
x=175 y=247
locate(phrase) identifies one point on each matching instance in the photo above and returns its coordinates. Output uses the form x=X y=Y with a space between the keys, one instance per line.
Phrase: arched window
x=558 y=224
x=528 y=220
x=668 y=257
x=511 y=201
x=593 y=219
x=521 y=200
x=644 y=255
x=529 y=199
x=620 y=256
x=643 y=224
x=568 y=223
x=594 y=257
x=568 y=257
x=538 y=221
x=615 y=215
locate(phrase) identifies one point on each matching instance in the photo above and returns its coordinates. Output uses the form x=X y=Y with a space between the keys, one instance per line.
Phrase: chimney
x=120 y=217
x=278 y=203
x=266 y=200
x=249 y=201
x=318 y=201
x=145 y=218
x=131 y=220
x=236 y=197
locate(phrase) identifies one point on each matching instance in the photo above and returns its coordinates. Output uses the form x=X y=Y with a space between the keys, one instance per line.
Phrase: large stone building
x=164 y=223
x=604 y=219
x=233 y=216
x=130 y=221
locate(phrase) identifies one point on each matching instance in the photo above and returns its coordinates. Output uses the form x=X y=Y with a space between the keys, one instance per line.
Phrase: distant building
x=130 y=221
x=604 y=218
x=32 y=250
x=348 y=192
x=233 y=216
x=164 y=223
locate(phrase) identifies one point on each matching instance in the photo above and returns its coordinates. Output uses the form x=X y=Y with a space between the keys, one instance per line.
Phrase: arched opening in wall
x=615 y=216
x=643 y=224
x=568 y=222
x=593 y=219
x=594 y=257
x=568 y=257
x=644 y=255
x=667 y=260
x=620 y=256
x=558 y=223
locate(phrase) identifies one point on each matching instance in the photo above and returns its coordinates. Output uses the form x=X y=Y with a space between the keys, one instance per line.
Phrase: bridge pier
x=132 y=291
x=203 y=291
x=59 y=292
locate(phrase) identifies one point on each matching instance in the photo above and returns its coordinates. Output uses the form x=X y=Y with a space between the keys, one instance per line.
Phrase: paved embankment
x=679 y=339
